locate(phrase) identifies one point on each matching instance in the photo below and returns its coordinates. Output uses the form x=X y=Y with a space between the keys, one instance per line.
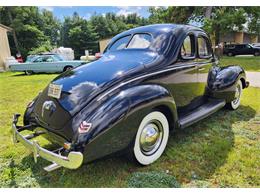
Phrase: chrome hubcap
x=151 y=137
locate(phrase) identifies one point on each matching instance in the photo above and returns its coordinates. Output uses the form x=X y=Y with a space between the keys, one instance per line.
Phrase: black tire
x=234 y=104
x=28 y=72
x=151 y=139
x=230 y=54
x=66 y=68
x=257 y=53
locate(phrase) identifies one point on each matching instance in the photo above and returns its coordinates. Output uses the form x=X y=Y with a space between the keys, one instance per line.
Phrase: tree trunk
x=208 y=12
x=14 y=34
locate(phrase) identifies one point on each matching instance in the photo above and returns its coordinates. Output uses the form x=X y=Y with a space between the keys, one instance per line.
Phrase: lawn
x=220 y=151
x=249 y=63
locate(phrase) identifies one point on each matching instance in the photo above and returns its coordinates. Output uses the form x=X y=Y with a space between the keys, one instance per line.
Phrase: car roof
x=156 y=29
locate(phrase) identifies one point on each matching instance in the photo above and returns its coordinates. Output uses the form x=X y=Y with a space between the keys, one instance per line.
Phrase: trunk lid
x=82 y=84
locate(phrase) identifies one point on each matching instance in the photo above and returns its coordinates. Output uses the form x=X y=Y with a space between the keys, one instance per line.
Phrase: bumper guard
x=72 y=161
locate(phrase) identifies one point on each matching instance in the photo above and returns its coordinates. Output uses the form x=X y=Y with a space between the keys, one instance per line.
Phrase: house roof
x=6 y=27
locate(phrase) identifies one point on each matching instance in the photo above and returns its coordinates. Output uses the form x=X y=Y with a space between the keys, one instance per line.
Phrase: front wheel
x=151 y=138
x=233 y=105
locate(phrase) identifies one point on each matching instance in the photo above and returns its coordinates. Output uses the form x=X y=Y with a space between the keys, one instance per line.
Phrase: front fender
x=115 y=122
x=222 y=81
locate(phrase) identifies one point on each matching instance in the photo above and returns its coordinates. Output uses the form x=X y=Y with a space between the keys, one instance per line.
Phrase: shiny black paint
x=115 y=92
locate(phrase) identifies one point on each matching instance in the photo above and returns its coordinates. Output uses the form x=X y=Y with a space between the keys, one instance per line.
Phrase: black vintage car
x=149 y=81
x=241 y=49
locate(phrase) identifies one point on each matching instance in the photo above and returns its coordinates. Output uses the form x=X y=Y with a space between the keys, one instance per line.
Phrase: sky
x=87 y=11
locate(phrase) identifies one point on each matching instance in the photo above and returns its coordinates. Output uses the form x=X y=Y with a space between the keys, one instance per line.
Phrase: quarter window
x=187 y=48
x=203 y=47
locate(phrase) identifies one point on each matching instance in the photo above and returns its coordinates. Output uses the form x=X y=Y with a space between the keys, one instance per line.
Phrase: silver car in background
x=47 y=63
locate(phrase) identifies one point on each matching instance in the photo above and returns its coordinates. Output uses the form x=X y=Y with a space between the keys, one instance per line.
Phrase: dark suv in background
x=241 y=49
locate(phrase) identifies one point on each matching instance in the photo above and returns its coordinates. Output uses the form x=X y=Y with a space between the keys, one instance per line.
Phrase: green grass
x=220 y=151
x=249 y=63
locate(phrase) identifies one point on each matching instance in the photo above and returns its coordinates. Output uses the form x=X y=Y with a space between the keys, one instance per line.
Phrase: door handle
x=200 y=69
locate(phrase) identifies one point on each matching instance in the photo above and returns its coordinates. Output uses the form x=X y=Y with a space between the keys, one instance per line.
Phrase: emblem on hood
x=48 y=107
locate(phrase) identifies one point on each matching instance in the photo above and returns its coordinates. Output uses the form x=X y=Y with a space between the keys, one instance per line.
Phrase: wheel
x=230 y=54
x=233 y=105
x=28 y=72
x=256 y=53
x=151 y=138
x=67 y=68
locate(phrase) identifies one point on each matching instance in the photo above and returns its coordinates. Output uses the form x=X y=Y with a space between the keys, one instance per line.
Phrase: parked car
x=241 y=49
x=150 y=80
x=49 y=63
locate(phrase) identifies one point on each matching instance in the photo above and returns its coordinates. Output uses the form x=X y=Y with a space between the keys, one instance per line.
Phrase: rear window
x=138 y=41
x=120 y=43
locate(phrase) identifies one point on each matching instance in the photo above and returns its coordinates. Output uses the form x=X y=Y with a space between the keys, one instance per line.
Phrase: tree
x=215 y=20
x=78 y=34
x=32 y=28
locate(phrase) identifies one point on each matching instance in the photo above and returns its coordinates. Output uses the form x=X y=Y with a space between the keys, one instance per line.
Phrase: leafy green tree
x=78 y=34
x=32 y=28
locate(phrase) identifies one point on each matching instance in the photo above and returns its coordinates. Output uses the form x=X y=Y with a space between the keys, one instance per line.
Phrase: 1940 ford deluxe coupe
x=150 y=80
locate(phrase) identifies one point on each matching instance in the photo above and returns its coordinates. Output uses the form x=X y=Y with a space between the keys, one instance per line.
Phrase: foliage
x=32 y=27
x=219 y=21
x=45 y=47
x=78 y=34
x=152 y=179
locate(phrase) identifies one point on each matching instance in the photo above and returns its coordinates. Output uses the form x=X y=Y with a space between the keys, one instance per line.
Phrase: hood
x=82 y=84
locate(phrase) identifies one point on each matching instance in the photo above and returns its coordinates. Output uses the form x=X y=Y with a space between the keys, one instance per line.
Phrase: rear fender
x=116 y=121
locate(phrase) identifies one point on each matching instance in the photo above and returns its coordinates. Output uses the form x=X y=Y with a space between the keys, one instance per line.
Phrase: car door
x=181 y=80
x=204 y=62
x=35 y=66
x=48 y=64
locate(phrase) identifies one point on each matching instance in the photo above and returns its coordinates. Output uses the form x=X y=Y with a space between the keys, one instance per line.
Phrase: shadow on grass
x=194 y=153
x=34 y=74
x=198 y=151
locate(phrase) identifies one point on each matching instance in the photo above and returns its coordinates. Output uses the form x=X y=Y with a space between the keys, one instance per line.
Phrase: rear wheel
x=233 y=105
x=67 y=68
x=257 y=53
x=151 y=138
x=230 y=54
x=28 y=72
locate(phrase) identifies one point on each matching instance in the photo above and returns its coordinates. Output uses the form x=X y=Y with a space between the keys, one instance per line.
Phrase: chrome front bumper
x=72 y=161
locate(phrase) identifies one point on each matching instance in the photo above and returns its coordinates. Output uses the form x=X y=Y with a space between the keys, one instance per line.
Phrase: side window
x=49 y=59
x=120 y=43
x=39 y=59
x=204 y=50
x=187 y=48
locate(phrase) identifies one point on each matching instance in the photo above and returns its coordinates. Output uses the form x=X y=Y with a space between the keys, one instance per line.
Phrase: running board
x=201 y=112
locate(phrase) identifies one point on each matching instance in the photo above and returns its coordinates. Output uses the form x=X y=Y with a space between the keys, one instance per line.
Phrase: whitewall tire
x=151 y=138
x=233 y=105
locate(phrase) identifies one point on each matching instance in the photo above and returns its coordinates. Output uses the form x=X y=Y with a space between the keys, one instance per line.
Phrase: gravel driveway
x=253 y=78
